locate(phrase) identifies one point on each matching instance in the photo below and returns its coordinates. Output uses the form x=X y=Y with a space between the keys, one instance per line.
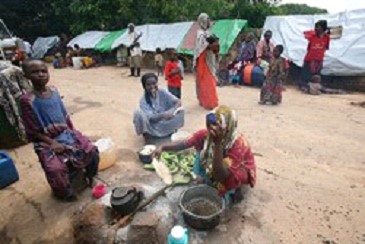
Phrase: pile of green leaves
x=180 y=165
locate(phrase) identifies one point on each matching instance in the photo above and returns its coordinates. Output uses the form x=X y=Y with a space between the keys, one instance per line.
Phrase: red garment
x=317 y=46
x=173 y=80
x=20 y=54
x=239 y=159
x=206 y=83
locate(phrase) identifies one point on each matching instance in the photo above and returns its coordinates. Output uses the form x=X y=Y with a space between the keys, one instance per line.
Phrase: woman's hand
x=57 y=147
x=157 y=152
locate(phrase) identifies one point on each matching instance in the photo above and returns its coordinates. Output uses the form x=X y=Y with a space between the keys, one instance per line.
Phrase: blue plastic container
x=8 y=172
x=178 y=235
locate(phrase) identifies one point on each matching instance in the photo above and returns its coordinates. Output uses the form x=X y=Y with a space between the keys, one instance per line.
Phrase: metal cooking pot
x=197 y=221
x=125 y=199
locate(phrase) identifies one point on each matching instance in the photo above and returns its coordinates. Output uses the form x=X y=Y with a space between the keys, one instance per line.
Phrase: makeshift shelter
x=158 y=36
x=346 y=56
x=105 y=44
x=43 y=44
x=227 y=31
x=88 y=40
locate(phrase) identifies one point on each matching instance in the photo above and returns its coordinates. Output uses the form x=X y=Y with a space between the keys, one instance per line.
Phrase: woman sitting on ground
x=159 y=114
x=224 y=157
x=61 y=149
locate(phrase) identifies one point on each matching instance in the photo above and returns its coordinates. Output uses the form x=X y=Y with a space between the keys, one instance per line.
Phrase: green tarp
x=105 y=44
x=227 y=31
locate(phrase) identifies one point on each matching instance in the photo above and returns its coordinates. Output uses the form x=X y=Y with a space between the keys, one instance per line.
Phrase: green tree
x=31 y=18
x=255 y=11
x=300 y=9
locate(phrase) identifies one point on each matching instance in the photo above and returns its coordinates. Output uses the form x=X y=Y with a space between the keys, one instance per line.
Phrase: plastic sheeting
x=88 y=40
x=346 y=56
x=43 y=44
x=158 y=36
x=105 y=44
x=227 y=30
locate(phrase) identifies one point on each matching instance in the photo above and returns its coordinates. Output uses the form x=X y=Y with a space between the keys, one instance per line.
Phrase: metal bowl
x=201 y=222
x=146 y=158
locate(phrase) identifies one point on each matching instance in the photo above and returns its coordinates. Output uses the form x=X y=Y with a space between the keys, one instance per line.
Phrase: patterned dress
x=273 y=85
x=48 y=116
x=238 y=159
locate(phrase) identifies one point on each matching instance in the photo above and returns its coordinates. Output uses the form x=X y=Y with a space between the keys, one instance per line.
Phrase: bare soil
x=311 y=172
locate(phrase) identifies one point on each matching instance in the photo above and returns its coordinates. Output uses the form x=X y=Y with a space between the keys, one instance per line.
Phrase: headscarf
x=228 y=119
x=203 y=20
x=202 y=33
x=144 y=79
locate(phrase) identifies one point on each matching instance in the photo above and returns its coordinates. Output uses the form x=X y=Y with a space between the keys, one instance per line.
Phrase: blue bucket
x=8 y=172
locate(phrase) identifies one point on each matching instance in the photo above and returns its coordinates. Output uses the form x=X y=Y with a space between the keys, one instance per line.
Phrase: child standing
x=159 y=61
x=273 y=85
x=318 y=44
x=61 y=149
x=173 y=73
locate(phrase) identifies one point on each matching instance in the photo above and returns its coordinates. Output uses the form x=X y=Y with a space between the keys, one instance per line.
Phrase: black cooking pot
x=125 y=199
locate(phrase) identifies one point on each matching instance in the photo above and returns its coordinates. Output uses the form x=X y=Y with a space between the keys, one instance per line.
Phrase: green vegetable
x=180 y=164
x=149 y=167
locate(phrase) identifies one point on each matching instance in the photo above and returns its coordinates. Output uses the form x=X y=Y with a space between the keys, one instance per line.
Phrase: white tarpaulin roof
x=346 y=56
x=42 y=45
x=158 y=35
x=88 y=40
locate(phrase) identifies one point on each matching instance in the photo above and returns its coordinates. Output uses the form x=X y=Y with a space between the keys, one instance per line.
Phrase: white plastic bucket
x=77 y=62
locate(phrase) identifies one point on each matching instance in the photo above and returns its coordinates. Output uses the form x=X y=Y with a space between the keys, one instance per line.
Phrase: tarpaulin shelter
x=158 y=36
x=106 y=44
x=346 y=56
x=88 y=40
x=43 y=44
x=227 y=30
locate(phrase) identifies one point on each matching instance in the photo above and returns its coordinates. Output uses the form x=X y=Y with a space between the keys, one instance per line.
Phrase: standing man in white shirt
x=135 y=63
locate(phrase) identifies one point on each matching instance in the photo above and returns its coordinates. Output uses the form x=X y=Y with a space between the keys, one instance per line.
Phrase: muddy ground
x=311 y=175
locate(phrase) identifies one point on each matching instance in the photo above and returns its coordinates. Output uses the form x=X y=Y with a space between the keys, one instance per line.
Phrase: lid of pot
x=120 y=192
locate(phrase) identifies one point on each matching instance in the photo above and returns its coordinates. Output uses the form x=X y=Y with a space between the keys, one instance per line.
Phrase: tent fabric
x=346 y=56
x=88 y=40
x=227 y=30
x=105 y=44
x=43 y=44
x=188 y=44
x=158 y=36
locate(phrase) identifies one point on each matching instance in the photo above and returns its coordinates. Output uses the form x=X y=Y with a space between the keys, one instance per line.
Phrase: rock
x=150 y=227
x=144 y=229
x=90 y=225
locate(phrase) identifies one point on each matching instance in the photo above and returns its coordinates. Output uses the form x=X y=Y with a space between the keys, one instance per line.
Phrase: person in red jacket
x=319 y=43
x=173 y=74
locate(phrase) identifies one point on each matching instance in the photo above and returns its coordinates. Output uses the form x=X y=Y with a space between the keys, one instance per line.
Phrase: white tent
x=43 y=44
x=158 y=35
x=346 y=56
x=88 y=40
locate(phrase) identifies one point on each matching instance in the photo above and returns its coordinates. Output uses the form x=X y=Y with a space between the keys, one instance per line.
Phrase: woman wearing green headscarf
x=224 y=157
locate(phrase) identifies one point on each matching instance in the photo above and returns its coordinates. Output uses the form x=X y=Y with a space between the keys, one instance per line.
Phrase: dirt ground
x=311 y=175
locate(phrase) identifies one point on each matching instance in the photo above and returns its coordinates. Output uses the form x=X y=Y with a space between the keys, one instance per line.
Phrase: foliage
x=32 y=18
x=302 y=9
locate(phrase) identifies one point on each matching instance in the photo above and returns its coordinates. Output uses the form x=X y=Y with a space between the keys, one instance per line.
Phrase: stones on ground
x=148 y=228
x=90 y=225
